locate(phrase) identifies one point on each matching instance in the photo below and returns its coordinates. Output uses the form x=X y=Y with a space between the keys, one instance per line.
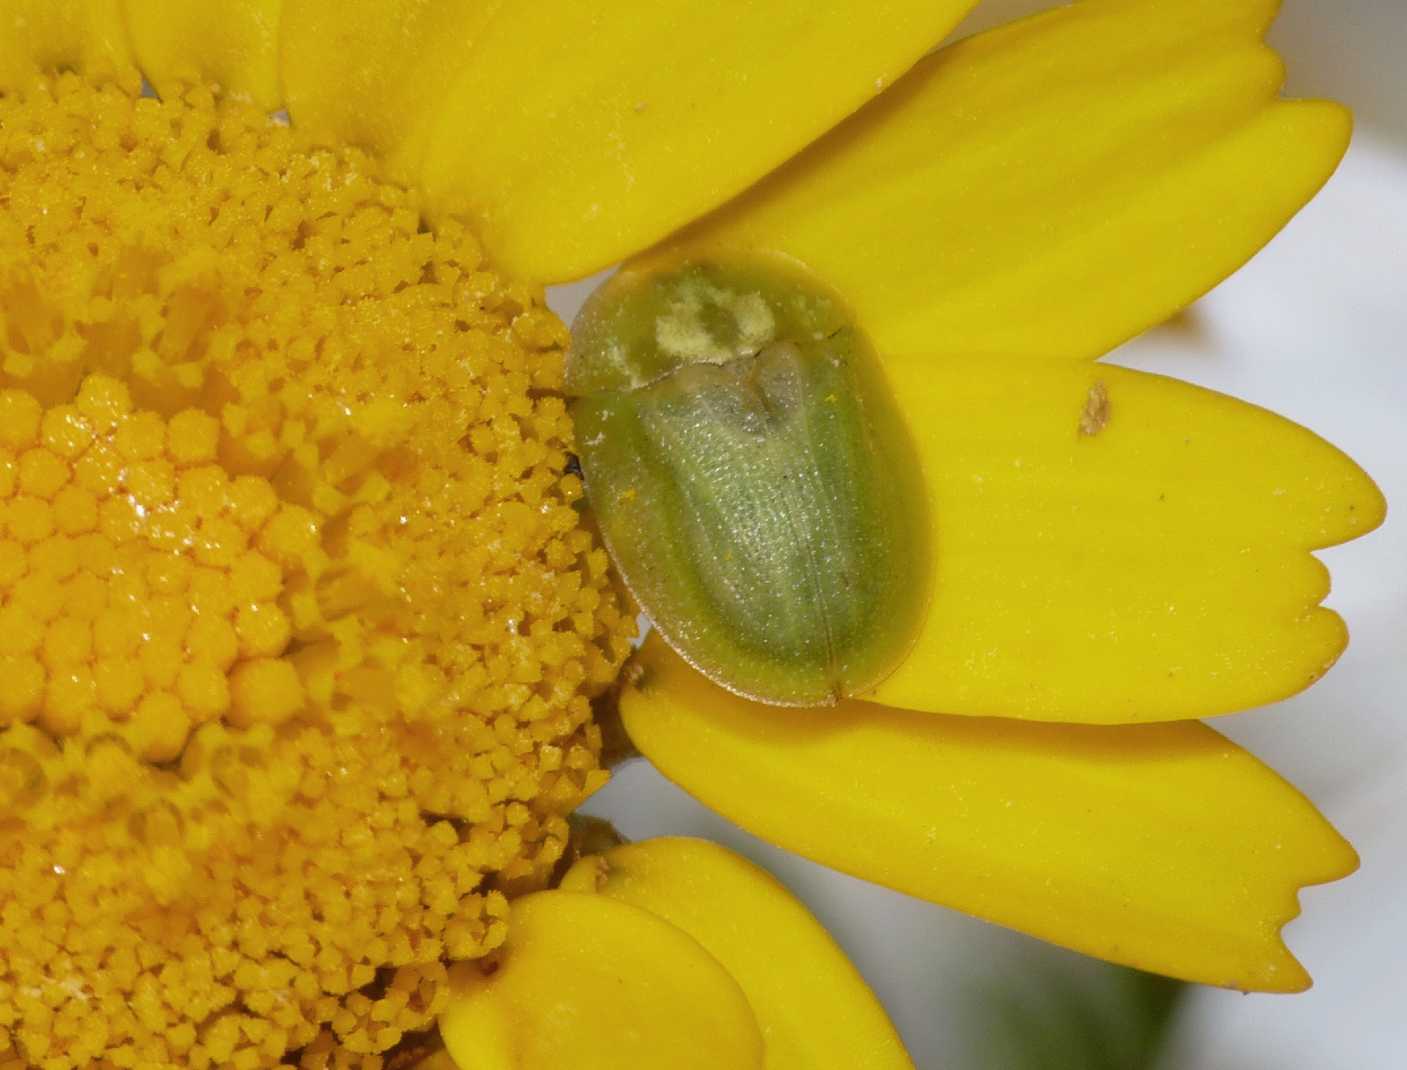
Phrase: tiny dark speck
x=638 y=676
x=573 y=465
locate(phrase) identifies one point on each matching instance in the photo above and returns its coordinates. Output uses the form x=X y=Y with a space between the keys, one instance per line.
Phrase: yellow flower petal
x=1054 y=187
x=594 y=984
x=235 y=46
x=814 y=1008
x=1164 y=847
x=48 y=35
x=1116 y=546
x=580 y=133
x=372 y=73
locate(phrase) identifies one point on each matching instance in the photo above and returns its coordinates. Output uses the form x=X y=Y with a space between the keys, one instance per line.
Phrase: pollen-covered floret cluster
x=298 y=622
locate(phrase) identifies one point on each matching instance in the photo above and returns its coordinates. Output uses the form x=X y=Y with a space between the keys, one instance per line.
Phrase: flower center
x=292 y=586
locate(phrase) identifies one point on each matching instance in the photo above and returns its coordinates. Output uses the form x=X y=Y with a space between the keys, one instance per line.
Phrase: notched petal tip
x=964 y=212
x=1352 y=502
x=1164 y=847
x=1282 y=972
x=1116 y=546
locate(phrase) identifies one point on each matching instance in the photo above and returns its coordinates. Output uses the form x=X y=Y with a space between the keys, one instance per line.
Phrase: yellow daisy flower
x=302 y=622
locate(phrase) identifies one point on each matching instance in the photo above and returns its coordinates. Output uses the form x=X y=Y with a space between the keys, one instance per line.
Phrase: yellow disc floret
x=298 y=622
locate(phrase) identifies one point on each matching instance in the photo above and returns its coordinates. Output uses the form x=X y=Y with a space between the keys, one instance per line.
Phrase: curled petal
x=595 y=984
x=1164 y=847
x=814 y=1008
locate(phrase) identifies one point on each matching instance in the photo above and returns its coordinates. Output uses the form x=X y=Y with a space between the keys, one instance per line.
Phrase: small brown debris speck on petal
x=1096 y=410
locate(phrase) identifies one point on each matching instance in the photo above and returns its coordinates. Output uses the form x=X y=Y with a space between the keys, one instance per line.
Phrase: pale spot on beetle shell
x=683 y=331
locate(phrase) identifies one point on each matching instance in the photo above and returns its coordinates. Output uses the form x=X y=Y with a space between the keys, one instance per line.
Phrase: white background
x=1314 y=328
